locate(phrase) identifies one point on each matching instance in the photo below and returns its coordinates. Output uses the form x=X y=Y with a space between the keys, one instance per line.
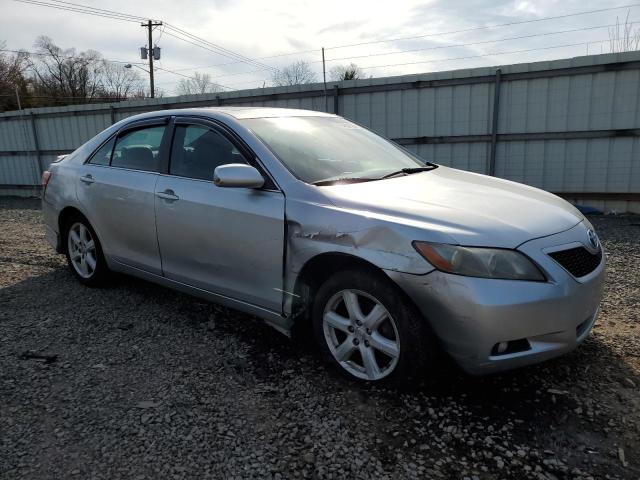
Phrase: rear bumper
x=50 y=222
x=471 y=316
x=53 y=238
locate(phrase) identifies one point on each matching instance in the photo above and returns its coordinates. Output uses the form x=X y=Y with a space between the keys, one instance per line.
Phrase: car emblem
x=593 y=238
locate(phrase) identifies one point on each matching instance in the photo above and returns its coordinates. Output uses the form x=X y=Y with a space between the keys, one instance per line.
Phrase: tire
x=84 y=252
x=381 y=327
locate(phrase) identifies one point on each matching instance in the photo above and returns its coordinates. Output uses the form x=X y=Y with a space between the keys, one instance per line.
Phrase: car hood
x=460 y=207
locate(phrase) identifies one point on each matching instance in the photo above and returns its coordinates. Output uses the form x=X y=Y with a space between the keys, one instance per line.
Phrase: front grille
x=578 y=261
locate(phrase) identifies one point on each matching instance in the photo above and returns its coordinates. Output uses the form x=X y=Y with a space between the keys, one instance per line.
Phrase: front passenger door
x=229 y=241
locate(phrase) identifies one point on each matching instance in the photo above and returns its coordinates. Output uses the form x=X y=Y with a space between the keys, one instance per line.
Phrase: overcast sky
x=266 y=28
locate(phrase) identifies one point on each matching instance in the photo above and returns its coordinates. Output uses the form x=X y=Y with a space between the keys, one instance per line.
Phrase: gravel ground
x=137 y=381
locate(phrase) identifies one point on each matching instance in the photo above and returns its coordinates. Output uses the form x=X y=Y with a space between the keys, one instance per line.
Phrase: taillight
x=46 y=177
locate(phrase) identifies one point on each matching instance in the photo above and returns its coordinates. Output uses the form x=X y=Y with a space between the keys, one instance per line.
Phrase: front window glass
x=197 y=151
x=139 y=149
x=317 y=149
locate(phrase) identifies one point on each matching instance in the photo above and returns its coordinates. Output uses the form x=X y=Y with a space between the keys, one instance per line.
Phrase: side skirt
x=273 y=319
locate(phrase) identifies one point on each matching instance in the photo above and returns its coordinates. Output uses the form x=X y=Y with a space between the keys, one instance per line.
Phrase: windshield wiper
x=403 y=171
x=331 y=181
x=408 y=171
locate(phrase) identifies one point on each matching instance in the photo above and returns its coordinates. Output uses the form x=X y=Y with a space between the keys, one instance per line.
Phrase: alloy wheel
x=82 y=250
x=361 y=334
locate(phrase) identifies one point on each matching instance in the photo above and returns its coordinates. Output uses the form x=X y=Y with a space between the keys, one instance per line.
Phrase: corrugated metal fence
x=569 y=126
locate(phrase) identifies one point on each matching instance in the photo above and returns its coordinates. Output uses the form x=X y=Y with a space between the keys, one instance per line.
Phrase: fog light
x=512 y=346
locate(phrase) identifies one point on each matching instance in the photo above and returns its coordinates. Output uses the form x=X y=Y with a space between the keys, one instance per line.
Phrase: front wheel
x=84 y=252
x=364 y=325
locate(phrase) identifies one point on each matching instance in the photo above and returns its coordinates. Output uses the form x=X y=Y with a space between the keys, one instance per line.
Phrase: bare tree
x=624 y=38
x=119 y=82
x=65 y=73
x=12 y=77
x=200 y=83
x=56 y=76
x=298 y=73
x=346 y=72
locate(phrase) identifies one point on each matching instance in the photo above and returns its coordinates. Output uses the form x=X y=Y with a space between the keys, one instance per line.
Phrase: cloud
x=259 y=29
x=297 y=44
x=341 y=26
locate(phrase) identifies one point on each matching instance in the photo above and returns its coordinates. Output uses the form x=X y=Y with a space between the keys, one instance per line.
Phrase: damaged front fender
x=316 y=229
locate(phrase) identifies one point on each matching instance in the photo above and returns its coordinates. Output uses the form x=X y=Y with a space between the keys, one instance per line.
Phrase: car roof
x=261 y=112
x=236 y=112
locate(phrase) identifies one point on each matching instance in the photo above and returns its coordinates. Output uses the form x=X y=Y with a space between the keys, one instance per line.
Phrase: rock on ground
x=150 y=383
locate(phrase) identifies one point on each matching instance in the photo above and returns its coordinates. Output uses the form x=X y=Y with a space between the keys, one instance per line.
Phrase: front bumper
x=471 y=316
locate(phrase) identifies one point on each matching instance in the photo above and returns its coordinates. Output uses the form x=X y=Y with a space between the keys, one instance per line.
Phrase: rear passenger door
x=229 y=241
x=116 y=189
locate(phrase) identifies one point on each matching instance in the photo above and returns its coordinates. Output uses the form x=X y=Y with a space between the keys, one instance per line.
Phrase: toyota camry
x=318 y=225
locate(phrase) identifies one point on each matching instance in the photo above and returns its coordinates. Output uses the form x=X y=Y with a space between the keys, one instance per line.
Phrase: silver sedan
x=321 y=227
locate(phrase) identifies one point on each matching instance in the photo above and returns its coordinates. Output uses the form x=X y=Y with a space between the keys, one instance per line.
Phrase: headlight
x=479 y=262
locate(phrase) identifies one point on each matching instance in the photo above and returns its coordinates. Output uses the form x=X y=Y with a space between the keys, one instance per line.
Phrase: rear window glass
x=139 y=149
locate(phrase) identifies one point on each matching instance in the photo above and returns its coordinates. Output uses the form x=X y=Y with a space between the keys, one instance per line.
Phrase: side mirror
x=237 y=175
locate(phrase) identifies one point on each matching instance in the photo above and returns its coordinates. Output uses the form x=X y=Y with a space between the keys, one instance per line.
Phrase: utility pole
x=150 y=53
x=18 y=97
x=324 y=81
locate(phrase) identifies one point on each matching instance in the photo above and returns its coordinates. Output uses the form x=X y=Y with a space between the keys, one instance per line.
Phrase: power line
x=314 y=50
x=457 y=45
x=213 y=50
x=250 y=81
x=64 y=5
x=439 y=47
x=199 y=41
x=135 y=17
x=485 y=27
x=70 y=57
x=471 y=56
x=187 y=37
x=224 y=75
x=208 y=48
x=103 y=59
x=468 y=57
x=78 y=8
x=438 y=34
x=161 y=33
x=487 y=54
x=187 y=76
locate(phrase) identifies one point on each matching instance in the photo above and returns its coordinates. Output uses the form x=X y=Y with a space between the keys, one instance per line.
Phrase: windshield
x=317 y=149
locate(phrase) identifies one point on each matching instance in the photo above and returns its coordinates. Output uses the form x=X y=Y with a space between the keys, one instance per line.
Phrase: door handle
x=168 y=195
x=87 y=179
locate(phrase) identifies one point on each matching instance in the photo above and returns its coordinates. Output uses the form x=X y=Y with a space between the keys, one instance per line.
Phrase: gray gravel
x=136 y=381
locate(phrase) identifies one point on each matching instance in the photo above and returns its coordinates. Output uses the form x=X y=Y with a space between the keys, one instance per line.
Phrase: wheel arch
x=101 y=271
x=65 y=214
x=63 y=218
x=316 y=271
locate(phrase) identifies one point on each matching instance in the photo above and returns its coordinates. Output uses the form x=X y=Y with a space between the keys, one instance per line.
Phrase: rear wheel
x=84 y=252
x=365 y=327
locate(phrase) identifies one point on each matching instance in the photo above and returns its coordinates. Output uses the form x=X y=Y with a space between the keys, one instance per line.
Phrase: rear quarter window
x=102 y=156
